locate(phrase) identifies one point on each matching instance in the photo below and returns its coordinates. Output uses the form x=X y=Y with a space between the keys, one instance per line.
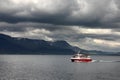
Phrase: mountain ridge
x=17 y=45
x=25 y=45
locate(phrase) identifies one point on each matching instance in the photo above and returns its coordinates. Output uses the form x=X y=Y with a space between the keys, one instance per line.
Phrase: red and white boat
x=81 y=58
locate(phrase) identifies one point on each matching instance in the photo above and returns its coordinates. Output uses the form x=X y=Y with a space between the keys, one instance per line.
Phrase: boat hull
x=81 y=60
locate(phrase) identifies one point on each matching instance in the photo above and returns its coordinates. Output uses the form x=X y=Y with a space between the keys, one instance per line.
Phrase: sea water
x=58 y=67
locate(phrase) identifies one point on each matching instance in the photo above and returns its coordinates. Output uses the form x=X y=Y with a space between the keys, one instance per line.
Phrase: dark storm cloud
x=37 y=11
x=24 y=25
x=88 y=13
x=61 y=32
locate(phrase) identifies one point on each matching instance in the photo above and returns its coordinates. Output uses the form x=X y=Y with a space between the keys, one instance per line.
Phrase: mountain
x=95 y=52
x=16 y=45
x=12 y=45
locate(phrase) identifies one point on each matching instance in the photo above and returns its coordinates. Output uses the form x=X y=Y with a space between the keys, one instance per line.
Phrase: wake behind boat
x=81 y=58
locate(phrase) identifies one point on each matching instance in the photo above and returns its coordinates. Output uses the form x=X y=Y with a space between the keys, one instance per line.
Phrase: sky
x=88 y=24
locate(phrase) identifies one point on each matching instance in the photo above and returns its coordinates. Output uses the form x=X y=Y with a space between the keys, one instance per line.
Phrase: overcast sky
x=88 y=24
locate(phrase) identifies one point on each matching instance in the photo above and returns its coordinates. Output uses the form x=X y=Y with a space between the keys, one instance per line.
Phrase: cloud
x=88 y=13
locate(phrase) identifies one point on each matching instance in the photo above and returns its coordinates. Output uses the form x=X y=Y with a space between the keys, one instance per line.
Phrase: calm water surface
x=57 y=67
